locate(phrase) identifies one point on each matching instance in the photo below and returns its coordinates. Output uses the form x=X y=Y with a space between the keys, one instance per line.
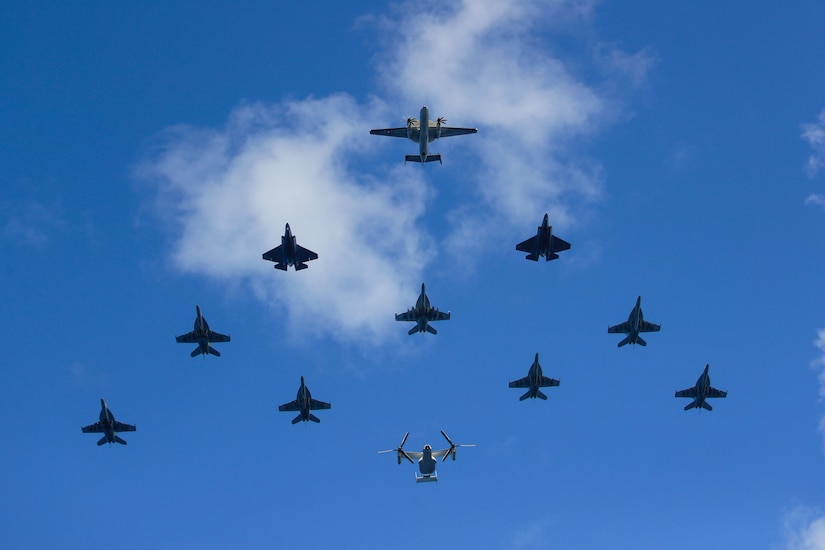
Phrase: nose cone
x=198 y=310
x=287 y=229
x=422 y=288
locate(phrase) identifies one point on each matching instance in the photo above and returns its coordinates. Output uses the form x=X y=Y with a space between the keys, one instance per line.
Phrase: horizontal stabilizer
x=214 y=352
x=532 y=256
x=119 y=440
x=300 y=266
x=540 y=395
x=706 y=405
x=431 y=330
x=297 y=419
x=102 y=441
x=525 y=396
x=551 y=256
x=413 y=330
x=625 y=341
x=280 y=266
x=314 y=418
x=690 y=405
x=196 y=351
x=417 y=158
x=640 y=341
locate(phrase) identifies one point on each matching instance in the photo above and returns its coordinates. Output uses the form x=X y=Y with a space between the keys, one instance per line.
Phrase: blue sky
x=151 y=154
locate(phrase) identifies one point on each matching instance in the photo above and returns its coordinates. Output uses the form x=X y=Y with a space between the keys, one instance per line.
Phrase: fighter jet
x=634 y=325
x=289 y=253
x=534 y=380
x=413 y=132
x=426 y=458
x=543 y=244
x=202 y=336
x=701 y=391
x=423 y=314
x=304 y=403
x=108 y=426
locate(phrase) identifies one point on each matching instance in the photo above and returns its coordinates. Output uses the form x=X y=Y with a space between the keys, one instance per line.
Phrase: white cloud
x=492 y=63
x=819 y=363
x=231 y=192
x=803 y=530
x=32 y=223
x=814 y=134
x=816 y=199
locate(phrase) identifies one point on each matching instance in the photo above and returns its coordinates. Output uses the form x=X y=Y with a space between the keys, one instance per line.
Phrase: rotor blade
x=450 y=441
x=388 y=451
x=406 y=435
x=450 y=452
x=406 y=456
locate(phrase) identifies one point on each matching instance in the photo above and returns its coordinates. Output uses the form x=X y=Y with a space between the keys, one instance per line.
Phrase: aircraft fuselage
x=424 y=133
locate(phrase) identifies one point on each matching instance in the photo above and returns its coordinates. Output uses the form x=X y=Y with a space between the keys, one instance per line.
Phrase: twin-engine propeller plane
x=434 y=130
x=427 y=457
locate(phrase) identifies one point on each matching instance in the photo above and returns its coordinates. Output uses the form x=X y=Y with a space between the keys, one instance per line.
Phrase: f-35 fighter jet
x=634 y=325
x=434 y=130
x=534 y=380
x=108 y=426
x=423 y=314
x=202 y=336
x=543 y=244
x=289 y=253
x=304 y=403
x=427 y=457
x=701 y=391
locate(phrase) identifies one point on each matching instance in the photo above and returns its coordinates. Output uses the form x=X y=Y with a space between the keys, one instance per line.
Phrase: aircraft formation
x=289 y=253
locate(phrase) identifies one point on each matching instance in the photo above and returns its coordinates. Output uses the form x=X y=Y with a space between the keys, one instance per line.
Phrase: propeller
x=453 y=446
x=441 y=120
x=411 y=121
x=400 y=450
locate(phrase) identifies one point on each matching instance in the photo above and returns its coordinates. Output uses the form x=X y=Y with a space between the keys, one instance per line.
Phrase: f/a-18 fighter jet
x=108 y=426
x=701 y=391
x=304 y=403
x=534 y=380
x=434 y=130
x=202 y=336
x=634 y=325
x=427 y=457
x=423 y=314
x=289 y=253
x=543 y=244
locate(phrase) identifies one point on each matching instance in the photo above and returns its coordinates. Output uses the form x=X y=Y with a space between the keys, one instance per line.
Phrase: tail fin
x=541 y=395
x=300 y=266
x=690 y=405
x=532 y=256
x=551 y=256
x=119 y=440
x=297 y=419
x=196 y=351
x=640 y=341
x=102 y=441
x=214 y=352
x=413 y=330
x=624 y=342
x=525 y=396
x=280 y=266
x=706 y=405
x=314 y=418
x=431 y=330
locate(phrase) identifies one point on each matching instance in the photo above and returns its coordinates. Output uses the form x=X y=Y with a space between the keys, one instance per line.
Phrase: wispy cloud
x=816 y=199
x=814 y=134
x=487 y=63
x=819 y=363
x=804 y=529
x=31 y=223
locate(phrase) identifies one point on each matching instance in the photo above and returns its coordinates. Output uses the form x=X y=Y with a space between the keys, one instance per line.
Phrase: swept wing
x=189 y=338
x=121 y=427
x=304 y=254
x=291 y=406
x=644 y=326
x=315 y=405
x=95 y=428
x=216 y=337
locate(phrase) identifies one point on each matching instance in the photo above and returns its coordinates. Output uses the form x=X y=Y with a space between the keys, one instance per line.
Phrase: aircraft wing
x=415 y=454
x=121 y=427
x=447 y=131
x=624 y=328
x=557 y=245
x=439 y=453
x=274 y=255
x=521 y=383
x=547 y=382
x=314 y=404
x=713 y=392
x=395 y=132
x=95 y=428
x=644 y=326
x=216 y=337
x=440 y=316
x=291 y=406
x=188 y=338
x=408 y=315
x=690 y=392
x=304 y=254
x=530 y=245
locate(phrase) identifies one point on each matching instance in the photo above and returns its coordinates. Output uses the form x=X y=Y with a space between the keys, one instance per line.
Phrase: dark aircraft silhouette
x=427 y=457
x=543 y=244
x=202 y=336
x=412 y=131
x=634 y=325
x=701 y=391
x=534 y=380
x=422 y=314
x=108 y=426
x=304 y=403
x=289 y=253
